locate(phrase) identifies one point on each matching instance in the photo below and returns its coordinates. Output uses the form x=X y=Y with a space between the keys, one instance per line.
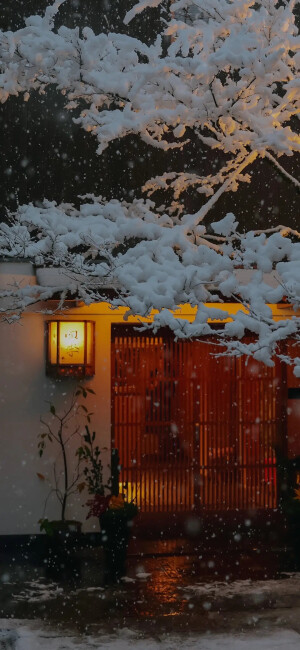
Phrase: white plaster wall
x=22 y=390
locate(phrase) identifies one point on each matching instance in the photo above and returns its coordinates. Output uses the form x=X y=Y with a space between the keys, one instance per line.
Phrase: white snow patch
x=143 y=576
x=283 y=587
x=37 y=592
x=35 y=636
x=127 y=579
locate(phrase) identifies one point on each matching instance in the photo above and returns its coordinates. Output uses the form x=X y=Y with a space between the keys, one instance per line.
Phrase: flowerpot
x=63 y=539
x=115 y=535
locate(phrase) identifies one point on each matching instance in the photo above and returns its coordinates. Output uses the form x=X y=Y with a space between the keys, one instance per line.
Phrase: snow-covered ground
x=38 y=590
x=250 y=623
x=34 y=636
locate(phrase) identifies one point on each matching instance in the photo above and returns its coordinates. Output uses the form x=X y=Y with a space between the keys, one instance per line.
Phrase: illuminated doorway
x=194 y=431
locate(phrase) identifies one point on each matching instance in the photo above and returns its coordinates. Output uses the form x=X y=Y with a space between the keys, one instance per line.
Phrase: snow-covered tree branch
x=228 y=79
x=154 y=263
x=232 y=78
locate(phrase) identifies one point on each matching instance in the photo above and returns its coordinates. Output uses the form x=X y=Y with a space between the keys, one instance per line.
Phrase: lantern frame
x=54 y=366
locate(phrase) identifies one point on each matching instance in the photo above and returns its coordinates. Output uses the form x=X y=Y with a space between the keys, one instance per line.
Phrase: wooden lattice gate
x=194 y=431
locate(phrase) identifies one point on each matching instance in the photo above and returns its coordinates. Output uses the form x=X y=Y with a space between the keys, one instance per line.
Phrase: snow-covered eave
x=60 y=278
x=22 y=273
x=16 y=271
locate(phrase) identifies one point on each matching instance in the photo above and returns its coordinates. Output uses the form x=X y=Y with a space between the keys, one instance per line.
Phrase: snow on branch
x=180 y=182
x=230 y=76
x=51 y=12
x=156 y=264
x=227 y=77
x=139 y=8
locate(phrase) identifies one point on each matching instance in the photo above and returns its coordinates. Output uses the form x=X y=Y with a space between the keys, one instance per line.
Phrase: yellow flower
x=116 y=503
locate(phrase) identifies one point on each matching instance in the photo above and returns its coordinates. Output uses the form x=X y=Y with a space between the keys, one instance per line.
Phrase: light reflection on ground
x=152 y=594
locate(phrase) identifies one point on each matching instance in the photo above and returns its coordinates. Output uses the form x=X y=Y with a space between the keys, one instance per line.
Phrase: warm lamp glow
x=71 y=343
x=71 y=348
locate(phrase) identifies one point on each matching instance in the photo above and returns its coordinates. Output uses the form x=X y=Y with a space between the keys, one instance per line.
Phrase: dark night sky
x=45 y=155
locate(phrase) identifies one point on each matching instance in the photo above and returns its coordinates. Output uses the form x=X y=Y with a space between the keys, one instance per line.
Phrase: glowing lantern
x=71 y=348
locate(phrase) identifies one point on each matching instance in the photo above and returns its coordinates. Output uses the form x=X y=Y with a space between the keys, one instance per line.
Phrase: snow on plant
x=229 y=77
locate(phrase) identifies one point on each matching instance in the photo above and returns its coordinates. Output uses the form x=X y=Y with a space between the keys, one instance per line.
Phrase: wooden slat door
x=152 y=416
x=194 y=430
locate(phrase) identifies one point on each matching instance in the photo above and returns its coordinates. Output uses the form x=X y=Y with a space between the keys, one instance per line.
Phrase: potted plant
x=59 y=428
x=109 y=505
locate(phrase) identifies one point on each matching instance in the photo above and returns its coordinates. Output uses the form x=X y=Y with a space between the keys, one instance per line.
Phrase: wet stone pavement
x=169 y=587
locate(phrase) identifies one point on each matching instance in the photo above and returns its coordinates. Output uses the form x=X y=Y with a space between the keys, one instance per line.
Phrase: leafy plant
x=107 y=499
x=93 y=470
x=60 y=427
